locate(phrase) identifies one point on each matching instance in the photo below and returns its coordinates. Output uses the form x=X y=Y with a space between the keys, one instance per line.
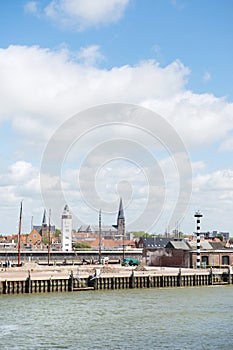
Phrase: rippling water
x=173 y=318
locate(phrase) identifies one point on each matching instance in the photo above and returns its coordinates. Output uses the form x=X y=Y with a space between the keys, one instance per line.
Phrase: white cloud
x=31 y=7
x=198 y=166
x=90 y=55
x=200 y=119
x=227 y=145
x=20 y=180
x=213 y=195
x=51 y=86
x=84 y=14
x=218 y=181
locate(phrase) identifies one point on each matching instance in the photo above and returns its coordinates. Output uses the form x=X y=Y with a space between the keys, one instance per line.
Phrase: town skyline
x=66 y=58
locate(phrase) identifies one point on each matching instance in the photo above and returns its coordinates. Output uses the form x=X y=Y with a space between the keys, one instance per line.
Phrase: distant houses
x=112 y=236
x=215 y=247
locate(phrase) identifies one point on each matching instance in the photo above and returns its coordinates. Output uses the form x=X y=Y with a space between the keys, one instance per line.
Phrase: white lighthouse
x=66 y=229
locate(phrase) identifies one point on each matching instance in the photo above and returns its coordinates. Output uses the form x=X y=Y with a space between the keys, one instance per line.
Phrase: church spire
x=121 y=211
x=44 y=218
x=120 y=226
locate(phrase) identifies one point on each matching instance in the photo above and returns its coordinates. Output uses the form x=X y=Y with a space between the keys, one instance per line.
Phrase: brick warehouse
x=184 y=254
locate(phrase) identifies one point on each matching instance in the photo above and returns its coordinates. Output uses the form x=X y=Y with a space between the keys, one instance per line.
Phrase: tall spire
x=44 y=218
x=121 y=211
x=120 y=226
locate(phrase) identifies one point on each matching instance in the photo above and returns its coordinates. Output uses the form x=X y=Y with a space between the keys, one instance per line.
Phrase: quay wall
x=71 y=284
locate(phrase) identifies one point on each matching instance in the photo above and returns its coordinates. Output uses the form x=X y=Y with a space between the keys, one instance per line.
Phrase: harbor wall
x=71 y=284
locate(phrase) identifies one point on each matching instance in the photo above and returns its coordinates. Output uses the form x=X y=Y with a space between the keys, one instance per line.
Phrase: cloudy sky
x=117 y=98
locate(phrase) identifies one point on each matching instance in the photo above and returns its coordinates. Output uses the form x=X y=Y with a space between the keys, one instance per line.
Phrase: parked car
x=130 y=262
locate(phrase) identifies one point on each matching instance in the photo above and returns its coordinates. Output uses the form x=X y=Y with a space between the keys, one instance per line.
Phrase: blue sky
x=60 y=57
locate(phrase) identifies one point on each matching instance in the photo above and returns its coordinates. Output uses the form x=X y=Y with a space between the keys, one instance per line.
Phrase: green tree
x=82 y=245
x=220 y=237
x=138 y=234
x=57 y=232
x=45 y=240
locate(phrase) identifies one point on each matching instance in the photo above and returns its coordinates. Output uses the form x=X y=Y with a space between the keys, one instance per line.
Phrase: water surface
x=169 y=318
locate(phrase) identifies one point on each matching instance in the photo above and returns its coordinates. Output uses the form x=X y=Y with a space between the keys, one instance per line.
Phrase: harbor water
x=169 y=318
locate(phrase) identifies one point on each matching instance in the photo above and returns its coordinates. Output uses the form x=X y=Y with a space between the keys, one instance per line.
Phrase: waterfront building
x=66 y=229
x=152 y=242
x=180 y=253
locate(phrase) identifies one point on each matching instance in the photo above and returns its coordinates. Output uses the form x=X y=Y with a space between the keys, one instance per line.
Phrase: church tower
x=44 y=227
x=121 y=220
x=120 y=226
x=66 y=229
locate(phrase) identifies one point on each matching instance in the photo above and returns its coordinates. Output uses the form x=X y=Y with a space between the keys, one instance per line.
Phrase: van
x=130 y=262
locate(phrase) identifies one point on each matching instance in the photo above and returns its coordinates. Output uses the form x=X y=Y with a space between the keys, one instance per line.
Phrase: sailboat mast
x=49 y=237
x=19 y=233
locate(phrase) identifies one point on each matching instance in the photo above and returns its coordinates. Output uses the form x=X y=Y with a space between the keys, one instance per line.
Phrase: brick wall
x=184 y=258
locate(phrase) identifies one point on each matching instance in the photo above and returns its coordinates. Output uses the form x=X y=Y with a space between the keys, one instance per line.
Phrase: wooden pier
x=133 y=280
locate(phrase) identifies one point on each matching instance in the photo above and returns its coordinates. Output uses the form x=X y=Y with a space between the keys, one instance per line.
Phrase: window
x=205 y=260
x=225 y=260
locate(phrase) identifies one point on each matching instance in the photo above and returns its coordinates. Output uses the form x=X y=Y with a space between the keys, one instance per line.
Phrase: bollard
x=4 y=287
x=92 y=282
x=132 y=280
x=229 y=274
x=71 y=282
x=28 y=283
x=210 y=281
x=149 y=284
x=179 y=279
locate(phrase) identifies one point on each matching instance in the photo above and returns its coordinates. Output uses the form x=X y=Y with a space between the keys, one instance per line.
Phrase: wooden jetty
x=116 y=281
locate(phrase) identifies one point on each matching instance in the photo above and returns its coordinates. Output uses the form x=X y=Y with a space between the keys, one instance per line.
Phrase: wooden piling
x=71 y=284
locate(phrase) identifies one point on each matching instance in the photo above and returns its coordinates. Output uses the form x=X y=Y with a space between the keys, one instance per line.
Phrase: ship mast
x=49 y=237
x=19 y=233
x=100 y=237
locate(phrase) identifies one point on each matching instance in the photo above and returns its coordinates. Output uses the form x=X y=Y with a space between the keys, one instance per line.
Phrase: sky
x=117 y=98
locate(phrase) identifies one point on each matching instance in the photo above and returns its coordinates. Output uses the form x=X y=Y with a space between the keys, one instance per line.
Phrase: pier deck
x=34 y=279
